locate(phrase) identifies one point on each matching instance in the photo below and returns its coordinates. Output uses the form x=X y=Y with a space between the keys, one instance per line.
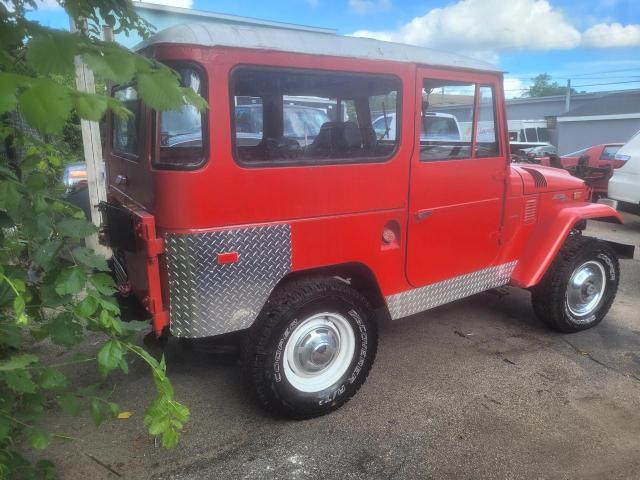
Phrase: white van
x=624 y=186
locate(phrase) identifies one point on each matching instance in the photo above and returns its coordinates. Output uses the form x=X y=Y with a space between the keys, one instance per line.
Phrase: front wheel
x=580 y=286
x=311 y=349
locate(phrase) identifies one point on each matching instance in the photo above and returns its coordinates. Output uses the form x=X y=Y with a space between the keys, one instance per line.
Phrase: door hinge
x=154 y=246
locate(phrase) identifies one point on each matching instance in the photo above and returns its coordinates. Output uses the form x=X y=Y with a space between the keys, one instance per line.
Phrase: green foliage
x=52 y=287
x=544 y=87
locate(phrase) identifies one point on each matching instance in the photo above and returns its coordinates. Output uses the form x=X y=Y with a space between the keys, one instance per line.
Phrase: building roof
x=190 y=14
x=313 y=43
x=618 y=103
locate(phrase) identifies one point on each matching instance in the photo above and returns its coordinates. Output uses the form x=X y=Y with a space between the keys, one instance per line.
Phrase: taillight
x=75 y=175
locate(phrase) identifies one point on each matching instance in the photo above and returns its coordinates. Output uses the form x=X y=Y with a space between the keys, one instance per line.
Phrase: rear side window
x=609 y=152
x=181 y=140
x=124 y=130
x=289 y=117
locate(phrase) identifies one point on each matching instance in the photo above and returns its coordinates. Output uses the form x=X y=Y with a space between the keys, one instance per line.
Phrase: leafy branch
x=52 y=287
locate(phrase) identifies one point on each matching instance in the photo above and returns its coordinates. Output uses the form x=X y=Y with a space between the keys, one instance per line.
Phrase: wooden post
x=92 y=145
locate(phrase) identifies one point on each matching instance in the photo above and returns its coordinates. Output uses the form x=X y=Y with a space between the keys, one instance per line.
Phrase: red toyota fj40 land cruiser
x=282 y=212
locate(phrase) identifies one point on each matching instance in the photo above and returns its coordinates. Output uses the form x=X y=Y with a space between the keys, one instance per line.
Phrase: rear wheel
x=580 y=286
x=311 y=349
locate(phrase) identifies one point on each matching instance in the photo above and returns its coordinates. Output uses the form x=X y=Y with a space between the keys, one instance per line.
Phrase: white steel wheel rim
x=586 y=288
x=319 y=352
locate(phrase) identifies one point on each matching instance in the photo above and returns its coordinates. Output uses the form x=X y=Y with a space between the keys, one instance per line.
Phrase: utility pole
x=567 y=101
x=92 y=146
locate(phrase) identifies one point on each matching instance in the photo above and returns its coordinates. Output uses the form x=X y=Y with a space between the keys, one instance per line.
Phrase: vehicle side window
x=609 y=153
x=486 y=137
x=124 y=130
x=543 y=134
x=180 y=132
x=447 y=120
x=532 y=135
x=290 y=117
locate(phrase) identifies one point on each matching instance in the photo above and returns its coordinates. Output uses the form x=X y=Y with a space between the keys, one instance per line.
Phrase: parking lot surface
x=474 y=389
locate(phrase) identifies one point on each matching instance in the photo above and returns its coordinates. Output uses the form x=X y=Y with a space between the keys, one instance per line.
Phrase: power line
x=577 y=86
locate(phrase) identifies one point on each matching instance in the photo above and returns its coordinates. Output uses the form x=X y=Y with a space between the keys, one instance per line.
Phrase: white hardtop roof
x=313 y=43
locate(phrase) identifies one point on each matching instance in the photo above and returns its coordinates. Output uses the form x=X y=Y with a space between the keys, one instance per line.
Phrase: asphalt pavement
x=474 y=389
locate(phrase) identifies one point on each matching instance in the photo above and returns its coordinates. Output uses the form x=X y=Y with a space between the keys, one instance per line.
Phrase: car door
x=457 y=183
x=128 y=168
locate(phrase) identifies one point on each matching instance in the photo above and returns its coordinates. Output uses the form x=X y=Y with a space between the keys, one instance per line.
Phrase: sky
x=595 y=43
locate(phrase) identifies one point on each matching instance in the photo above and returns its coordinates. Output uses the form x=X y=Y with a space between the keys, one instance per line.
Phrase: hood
x=540 y=179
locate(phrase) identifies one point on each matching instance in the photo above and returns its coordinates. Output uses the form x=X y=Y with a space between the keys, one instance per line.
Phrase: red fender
x=549 y=235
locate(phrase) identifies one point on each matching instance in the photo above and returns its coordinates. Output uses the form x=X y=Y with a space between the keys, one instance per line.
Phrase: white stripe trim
x=586 y=118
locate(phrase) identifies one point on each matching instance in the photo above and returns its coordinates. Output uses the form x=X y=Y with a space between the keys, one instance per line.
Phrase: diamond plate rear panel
x=209 y=299
x=420 y=299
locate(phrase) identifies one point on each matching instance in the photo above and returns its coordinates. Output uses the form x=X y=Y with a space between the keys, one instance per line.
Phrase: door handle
x=422 y=214
x=121 y=180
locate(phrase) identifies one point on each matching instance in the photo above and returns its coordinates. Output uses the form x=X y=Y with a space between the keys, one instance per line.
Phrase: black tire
x=266 y=344
x=550 y=297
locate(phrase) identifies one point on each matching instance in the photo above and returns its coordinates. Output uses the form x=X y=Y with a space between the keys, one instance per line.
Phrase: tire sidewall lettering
x=332 y=394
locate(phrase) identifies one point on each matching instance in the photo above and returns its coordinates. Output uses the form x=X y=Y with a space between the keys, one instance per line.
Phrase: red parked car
x=594 y=165
x=599 y=156
x=303 y=241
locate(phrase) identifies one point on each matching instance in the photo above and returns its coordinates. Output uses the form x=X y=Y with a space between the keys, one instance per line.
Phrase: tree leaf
x=69 y=403
x=98 y=410
x=49 y=296
x=18 y=362
x=5 y=429
x=87 y=306
x=65 y=331
x=111 y=63
x=45 y=105
x=20 y=381
x=109 y=356
x=52 y=378
x=38 y=438
x=90 y=258
x=71 y=280
x=8 y=93
x=45 y=255
x=124 y=415
x=9 y=196
x=18 y=309
x=75 y=228
x=194 y=99
x=160 y=90
x=103 y=283
x=90 y=106
x=52 y=51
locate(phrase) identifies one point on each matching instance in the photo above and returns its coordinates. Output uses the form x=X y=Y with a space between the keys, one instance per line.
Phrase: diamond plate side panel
x=424 y=298
x=206 y=298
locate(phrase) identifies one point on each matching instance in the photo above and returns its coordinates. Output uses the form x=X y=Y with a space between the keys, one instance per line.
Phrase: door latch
x=422 y=214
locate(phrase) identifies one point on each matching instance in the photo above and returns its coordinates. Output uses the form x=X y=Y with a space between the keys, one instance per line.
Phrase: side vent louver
x=538 y=178
x=530 y=211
